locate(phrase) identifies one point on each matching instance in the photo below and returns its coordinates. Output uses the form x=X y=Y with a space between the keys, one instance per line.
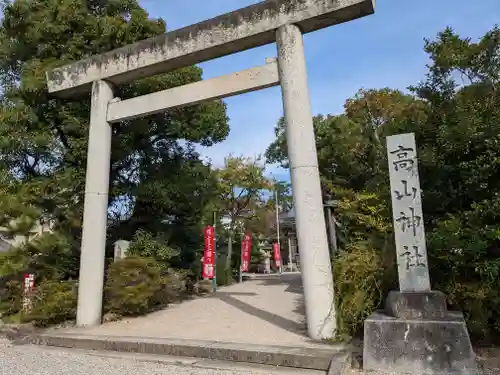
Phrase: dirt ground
x=489 y=360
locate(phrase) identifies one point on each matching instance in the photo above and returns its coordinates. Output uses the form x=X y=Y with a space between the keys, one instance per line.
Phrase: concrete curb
x=322 y=358
x=13 y=332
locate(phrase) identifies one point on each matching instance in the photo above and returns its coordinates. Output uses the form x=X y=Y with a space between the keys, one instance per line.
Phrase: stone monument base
x=416 y=335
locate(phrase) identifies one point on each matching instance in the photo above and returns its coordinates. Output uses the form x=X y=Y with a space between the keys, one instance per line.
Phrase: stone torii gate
x=280 y=21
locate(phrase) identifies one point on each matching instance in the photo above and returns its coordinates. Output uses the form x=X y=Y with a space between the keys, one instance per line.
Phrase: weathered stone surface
x=253 y=79
x=324 y=358
x=420 y=347
x=95 y=210
x=340 y=364
x=409 y=232
x=121 y=248
x=233 y=32
x=315 y=261
x=416 y=305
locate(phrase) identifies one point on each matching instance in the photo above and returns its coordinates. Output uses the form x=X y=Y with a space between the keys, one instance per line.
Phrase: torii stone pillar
x=316 y=269
x=281 y=21
x=95 y=211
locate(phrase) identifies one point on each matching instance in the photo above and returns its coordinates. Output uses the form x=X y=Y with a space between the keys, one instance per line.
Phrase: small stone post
x=121 y=249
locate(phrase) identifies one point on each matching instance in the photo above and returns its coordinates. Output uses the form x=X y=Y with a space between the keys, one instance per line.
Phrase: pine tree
x=158 y=181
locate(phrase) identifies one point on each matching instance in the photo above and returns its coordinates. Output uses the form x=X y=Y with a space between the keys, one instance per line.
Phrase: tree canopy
x=241 y=187
x=455 y=115
x=158 y=182
x=161 y=193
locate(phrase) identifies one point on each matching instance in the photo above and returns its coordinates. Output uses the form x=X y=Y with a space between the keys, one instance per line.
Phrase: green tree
x=283 y=190
x=351 y=153
x=459 y=175
x=460 y=137
x=241 y=186
x=455 y=115
x=159 y=183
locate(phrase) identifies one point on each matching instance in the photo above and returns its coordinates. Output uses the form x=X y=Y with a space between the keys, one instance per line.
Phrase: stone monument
x=121 y=249
x=415 y=333
x=266 y=260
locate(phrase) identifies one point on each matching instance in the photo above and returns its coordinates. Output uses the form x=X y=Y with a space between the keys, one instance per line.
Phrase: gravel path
x=488 y=365
x=489 y=360
x=266 y=312
x=33 y=360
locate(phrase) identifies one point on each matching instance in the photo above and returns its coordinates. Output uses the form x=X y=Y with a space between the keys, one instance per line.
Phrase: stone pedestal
x=416 y=305
x=415 y=334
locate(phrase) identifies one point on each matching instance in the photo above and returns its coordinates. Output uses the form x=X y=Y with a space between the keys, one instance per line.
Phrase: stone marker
x=409 y=232
x=121 y=249
x=415 y=334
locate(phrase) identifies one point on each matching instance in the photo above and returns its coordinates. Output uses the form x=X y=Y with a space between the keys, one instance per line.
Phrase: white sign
x=29 y=286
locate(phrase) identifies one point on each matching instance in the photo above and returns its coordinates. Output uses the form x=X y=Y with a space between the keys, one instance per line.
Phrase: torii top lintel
x=229 y=33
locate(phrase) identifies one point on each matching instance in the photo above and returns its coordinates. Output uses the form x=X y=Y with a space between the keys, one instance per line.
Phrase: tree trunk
x=331 y=230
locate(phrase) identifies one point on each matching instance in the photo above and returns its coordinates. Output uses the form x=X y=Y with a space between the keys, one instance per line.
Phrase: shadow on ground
x=294 y=282
x=293 y=285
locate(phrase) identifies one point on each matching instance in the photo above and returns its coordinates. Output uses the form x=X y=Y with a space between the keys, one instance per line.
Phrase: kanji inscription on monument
x=408 y=220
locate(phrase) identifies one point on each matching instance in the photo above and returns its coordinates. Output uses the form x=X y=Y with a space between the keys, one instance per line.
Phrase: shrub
x=11 y=290
x=53 y=302
x=145 y=245
x=203 y=287
x=51 y=257
x=176 y=284
x=364 y=268
x=480 y=304
x=464 y=259
x=136 y=286
x=13 y=262
x=362 y=281
x=195 y=270
x=224 y=275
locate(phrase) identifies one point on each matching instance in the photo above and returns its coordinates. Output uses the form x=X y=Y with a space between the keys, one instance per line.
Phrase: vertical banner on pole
x=209 y=258
x=246 y=248
x=277 y=254
x=214 y=279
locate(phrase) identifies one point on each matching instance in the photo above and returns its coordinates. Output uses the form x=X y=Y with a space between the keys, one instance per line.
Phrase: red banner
x=209 y=256
x=246 y=250
x=277 y=254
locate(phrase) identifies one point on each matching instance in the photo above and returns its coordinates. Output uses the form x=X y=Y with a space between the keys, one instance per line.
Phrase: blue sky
x=382 y=50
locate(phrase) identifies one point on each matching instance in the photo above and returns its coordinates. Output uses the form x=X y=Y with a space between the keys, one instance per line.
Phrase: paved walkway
x=266 y=311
